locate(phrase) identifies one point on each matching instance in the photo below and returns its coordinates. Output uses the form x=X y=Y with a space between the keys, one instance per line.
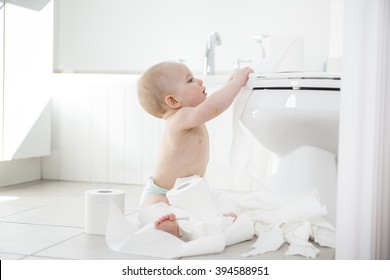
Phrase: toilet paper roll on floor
x=193 y=195
x=97 y=208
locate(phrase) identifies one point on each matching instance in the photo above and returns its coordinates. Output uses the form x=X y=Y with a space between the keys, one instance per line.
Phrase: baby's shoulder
x=177 y=121
x=178 y=116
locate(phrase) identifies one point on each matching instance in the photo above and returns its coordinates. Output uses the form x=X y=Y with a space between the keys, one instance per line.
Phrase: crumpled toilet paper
x=294 y=219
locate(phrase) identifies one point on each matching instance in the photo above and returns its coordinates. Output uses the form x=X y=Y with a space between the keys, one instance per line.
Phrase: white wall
x=26 y=63
x=28 y=52
x=97 y=132
x=128 y=36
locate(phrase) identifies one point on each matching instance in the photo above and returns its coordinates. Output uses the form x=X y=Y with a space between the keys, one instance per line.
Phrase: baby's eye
x=190 y=80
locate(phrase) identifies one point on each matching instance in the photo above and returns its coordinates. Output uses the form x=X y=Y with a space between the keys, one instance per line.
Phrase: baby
x=169 y=91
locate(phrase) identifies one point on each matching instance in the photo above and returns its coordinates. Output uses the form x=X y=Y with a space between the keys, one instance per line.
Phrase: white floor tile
x=28 y=239
x=6 y=256
x=14 y=207
x=86 y=247
x=58 y=214
x=37 y=258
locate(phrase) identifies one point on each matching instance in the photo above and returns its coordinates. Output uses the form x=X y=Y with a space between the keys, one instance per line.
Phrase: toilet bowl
x=296 y=117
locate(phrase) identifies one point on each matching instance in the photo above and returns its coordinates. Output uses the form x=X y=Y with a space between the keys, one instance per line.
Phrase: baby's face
x=188 y=90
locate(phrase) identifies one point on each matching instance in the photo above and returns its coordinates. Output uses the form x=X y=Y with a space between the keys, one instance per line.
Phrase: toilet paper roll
x=97 y=207
x=192 y=195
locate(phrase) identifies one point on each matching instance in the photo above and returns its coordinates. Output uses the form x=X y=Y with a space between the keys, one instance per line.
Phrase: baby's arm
x=218 y=102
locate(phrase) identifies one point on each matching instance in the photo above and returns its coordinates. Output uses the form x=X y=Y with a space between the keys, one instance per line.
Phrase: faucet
x=261 y=40
x=208 y=65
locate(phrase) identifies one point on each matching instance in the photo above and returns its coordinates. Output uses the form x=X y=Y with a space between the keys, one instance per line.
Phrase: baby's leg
x=233 y=215
x=168 y=223
x=155 y=198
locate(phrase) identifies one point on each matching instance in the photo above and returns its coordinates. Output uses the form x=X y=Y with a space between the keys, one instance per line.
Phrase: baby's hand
x=241 y=75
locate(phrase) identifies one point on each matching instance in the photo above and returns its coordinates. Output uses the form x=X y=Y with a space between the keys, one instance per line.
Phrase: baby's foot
x=168 y=223
x=234 y=216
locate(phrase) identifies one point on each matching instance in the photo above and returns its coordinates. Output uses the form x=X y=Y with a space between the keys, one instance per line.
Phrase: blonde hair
x=153 y=86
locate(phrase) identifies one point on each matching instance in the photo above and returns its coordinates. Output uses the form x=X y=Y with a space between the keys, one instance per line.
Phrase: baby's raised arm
x=217 y=102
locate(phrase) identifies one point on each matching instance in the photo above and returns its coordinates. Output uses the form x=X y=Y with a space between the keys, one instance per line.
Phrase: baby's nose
x=200 y=82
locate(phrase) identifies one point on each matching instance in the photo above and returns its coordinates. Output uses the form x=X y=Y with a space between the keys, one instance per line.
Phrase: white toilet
x=296 y=116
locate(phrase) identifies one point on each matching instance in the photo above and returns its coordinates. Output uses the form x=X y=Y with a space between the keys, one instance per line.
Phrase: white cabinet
x=1 y=79
x=25 y=68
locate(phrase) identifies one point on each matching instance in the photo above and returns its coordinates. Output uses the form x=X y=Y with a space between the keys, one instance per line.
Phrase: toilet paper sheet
x=124 y=237
x=144 y=240
x=294 y=220
x=203 y=230
x=193 y=195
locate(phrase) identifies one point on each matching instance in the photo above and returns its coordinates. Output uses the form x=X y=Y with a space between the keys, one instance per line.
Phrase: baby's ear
x=172 y=102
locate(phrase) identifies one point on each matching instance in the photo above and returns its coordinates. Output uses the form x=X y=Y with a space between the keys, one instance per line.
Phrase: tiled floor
x=45 y=220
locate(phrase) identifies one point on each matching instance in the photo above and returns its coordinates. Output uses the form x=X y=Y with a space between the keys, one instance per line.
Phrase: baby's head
x=155 y=84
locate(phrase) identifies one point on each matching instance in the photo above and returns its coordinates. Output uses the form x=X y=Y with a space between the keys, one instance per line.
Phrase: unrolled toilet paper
x=126 y=236
x=193 y=195
x=97 y=208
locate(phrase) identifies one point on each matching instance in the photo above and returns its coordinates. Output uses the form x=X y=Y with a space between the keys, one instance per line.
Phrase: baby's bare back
x=182 y=154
